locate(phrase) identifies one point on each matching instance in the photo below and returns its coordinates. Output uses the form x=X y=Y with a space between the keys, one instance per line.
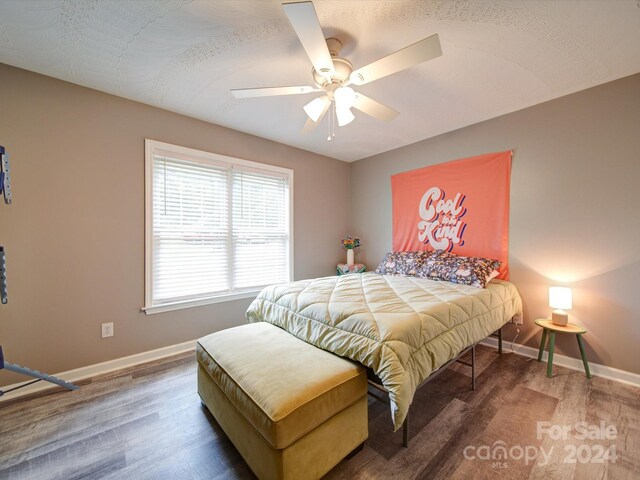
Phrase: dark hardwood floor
x=147 y=423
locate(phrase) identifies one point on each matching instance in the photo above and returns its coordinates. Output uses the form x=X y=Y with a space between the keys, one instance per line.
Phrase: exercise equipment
x=39 y=376
x=5 y=188
x=5 y=178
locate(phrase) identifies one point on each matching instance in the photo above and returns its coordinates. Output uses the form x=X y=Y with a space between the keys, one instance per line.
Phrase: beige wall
x=575 y=203
x=75 y=233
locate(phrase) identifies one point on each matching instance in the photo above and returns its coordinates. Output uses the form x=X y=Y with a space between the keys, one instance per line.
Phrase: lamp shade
x=344 y=115
x=560 y=298
x=316 y=107
x=344 y=97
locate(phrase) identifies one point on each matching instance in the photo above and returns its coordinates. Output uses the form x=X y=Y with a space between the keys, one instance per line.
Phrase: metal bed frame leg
x=473 y=367
x=375 y=386
x=500 y=341
x=405 y=432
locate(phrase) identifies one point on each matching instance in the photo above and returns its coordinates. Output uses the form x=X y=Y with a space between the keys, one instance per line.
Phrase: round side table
x=549 y=328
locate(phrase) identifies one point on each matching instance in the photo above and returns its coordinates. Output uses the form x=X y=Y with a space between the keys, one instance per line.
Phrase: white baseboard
x=100 y=369
x=90 y=371
x=603 y=371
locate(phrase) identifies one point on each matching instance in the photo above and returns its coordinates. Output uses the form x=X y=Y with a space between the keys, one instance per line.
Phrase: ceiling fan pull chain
x=329 y=123
x=333 y=122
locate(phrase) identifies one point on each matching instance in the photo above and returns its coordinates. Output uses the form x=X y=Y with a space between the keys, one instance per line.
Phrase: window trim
x=208 y=158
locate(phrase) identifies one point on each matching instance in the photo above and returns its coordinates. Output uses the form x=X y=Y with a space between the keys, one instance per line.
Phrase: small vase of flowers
x=350 y=243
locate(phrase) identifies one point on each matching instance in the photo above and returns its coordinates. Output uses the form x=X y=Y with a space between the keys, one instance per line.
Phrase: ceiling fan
x=332 y=75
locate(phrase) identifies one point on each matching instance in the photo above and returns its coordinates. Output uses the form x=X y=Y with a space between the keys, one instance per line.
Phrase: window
x=217 y=228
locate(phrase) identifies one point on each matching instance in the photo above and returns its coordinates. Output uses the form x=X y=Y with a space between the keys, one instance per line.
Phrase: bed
x=403 y=328
x=450 y=223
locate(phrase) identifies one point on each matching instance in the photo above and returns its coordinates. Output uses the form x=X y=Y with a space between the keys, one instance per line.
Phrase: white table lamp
x=560 y=299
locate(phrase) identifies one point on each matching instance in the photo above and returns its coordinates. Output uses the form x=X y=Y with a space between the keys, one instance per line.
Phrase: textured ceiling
x=184 y=56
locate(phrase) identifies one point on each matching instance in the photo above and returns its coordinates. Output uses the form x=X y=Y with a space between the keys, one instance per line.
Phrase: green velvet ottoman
x=293 y=411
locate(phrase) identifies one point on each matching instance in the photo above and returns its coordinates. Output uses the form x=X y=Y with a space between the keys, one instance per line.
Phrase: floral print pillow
x=474 y=271
x=405 y=263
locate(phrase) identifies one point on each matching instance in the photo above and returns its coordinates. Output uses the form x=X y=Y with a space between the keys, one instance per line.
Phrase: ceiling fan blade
x=373 y=108
x=271 y=91
x=310 y=125
x=419 y=52
x=304 y=21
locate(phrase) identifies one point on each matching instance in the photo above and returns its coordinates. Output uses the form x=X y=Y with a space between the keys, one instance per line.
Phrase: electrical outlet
x=517 y=320
x=107 y=330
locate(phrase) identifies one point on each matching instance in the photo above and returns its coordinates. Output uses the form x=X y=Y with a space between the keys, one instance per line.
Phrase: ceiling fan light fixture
x=356 y=78
x=315 y=108
x=333 y=74
x=344 y=97
x=344 y=116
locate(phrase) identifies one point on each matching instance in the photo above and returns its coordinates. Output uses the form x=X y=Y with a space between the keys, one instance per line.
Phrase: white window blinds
x=260 y=222
x=218 y=227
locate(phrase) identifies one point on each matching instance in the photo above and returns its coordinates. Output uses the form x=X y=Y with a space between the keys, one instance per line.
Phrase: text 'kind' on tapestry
x=460 y=206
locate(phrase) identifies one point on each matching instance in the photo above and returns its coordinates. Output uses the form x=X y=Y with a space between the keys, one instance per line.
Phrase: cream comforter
x=404 y=328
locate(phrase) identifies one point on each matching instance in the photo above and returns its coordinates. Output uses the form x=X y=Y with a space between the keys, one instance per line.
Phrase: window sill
x=168 y=307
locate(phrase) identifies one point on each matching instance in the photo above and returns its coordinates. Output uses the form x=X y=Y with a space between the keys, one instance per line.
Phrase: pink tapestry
x=460 y=206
